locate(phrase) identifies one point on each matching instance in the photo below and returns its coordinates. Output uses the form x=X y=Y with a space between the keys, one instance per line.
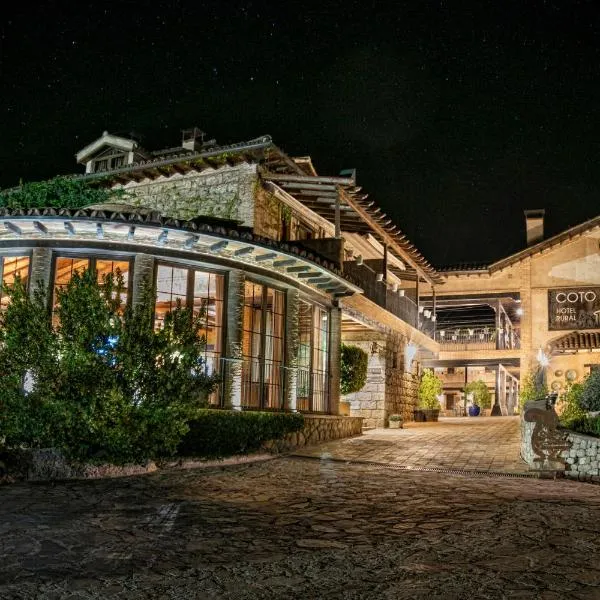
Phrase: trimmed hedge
x=218 y=433
x=353 y=372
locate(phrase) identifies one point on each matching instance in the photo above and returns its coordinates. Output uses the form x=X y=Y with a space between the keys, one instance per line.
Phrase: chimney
x=193 y=139
x=534 y=225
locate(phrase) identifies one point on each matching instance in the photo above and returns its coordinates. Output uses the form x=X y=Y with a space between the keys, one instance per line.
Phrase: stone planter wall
x=582 y=460
x=317 y=429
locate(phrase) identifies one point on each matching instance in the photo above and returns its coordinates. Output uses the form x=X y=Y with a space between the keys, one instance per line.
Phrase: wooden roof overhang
x=576 y=341
x=210 y=240
x=357 y=213
x=250 y=152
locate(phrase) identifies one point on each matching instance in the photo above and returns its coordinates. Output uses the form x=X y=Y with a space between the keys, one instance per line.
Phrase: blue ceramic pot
x=474 y=410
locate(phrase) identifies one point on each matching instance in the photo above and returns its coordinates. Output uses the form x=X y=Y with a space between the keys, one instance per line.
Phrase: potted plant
x=396 y=421
x=428 y=408
x=479 y=394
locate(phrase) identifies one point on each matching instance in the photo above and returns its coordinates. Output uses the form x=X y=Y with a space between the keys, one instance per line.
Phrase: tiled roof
x=463 y=267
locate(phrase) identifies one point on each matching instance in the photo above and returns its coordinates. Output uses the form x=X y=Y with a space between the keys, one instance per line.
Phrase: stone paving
x=457 y=443
x=300 y=528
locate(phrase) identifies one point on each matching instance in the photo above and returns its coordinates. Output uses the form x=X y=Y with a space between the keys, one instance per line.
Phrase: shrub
x=590 y=395
x=218 y=433
x=105 y=385
x=59 y=192
x=429 y=389
x=481 y=394
x=571 y=404
x=353 y=376
x=586 y=425
x=531 y=389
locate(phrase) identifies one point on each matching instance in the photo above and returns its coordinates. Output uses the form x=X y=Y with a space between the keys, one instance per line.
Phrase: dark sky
x=456 y=114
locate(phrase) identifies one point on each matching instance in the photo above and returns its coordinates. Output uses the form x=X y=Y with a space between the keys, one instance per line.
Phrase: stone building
x=287 y=263
x=496 y=321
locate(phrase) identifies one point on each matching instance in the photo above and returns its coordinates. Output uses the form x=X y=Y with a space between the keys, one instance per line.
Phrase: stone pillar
x=335 y=359
x=291 y=349
x=143 y=273
x=526 y=318
x=41 y=268
x=232 y=385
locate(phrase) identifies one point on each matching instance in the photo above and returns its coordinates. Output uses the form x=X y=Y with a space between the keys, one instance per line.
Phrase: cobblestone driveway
x=486 y=444
x=301 y=529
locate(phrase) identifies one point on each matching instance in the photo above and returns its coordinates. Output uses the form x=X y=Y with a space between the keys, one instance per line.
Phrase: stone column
x=41 y=268
x=526 y=318
x=291 y=349
x=232 y=385
x=143 y=273
x=335 y=358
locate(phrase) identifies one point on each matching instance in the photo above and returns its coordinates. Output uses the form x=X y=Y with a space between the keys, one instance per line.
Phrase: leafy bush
x=481 y=394
x=353 y=376
x=430 y=388
x=218 y=433
x=531 y=389
x=590 y=396
x=103 y=385
x=586 y=425
x=571 y=405
x=60 y=192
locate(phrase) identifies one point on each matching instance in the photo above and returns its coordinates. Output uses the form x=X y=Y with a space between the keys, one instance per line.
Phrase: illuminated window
x=312 y=387
x=263 y=346
x=203 y=292
x=66 y=266
x=10 y=268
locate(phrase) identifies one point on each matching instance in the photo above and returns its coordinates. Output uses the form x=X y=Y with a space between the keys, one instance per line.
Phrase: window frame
x=11 y=254
x=92 y=257
x=282 y=402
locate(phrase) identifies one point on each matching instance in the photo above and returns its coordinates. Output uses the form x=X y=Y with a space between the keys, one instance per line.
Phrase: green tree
x=481 y=394
x=106 y=385
x=571 y=404
x=430 y=388
x=531 y=389
x=590 y=395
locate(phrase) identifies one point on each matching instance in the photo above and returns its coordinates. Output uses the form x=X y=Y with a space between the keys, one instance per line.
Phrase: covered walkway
x=454 y=443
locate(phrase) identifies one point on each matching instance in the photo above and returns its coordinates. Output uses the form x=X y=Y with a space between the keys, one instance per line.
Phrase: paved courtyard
x=300 y=528
x=456 y=443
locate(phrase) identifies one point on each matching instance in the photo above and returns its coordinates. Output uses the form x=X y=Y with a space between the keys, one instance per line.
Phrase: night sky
x=457 y=115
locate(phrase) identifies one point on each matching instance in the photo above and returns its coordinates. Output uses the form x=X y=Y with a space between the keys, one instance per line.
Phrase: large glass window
x=312 y=386
x=203 y=292
x=263 y=346
x=66 y=266
x=10 y=268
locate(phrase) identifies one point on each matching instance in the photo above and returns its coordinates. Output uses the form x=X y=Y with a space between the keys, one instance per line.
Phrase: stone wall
x=390 y=389
x=226 y=192
x=318 y=429
x=268 y=215
x=582 y=459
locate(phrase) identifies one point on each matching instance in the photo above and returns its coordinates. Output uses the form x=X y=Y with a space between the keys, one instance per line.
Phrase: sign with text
x=574 y=308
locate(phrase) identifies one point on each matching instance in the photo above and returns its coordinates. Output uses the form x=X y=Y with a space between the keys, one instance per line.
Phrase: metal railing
x=379 y=292
x=312 y=391
x=476 y=339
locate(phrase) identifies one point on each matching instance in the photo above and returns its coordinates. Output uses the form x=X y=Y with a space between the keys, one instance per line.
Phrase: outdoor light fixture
x=427 y=313
x=519 y=311
x=379 y=277
x=442 y=333
x=471 y=332
x=374 y=348
x=410 y=351
x=401 y=293
x=433 y=318
x=359 y=260
x=395 y=288
x=421 y=309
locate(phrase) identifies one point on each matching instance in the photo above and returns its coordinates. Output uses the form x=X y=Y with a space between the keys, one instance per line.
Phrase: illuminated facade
x=286 y=265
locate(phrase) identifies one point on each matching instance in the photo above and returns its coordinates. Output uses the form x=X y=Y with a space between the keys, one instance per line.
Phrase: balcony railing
x=477 y=338
x=378 y=291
